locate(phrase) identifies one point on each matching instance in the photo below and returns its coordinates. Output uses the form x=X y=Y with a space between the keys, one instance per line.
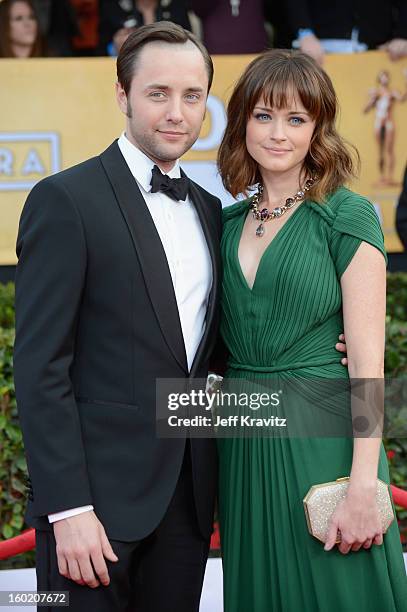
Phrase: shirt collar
x=140 y=165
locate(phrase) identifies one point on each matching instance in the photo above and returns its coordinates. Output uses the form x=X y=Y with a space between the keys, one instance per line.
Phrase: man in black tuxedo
x=117 y=285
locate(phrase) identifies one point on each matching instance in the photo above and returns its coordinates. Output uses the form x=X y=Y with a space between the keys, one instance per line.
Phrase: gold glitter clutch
x=321 y=500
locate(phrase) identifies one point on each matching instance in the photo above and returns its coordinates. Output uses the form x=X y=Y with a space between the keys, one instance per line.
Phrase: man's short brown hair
x=160 y=31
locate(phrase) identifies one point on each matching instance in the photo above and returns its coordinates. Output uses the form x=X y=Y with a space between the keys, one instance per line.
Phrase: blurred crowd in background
x=60 y=28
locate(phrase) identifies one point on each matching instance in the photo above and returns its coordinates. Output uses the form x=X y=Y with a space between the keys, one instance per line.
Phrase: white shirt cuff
x=57 y=516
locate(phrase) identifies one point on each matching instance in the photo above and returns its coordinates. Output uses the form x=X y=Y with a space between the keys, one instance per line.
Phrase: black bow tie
x=175 y=188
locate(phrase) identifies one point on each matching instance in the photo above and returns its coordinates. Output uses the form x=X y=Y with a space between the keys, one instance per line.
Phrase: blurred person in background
x=87 y=15
x=232 y=26
x=401 y=211
x=19 y=31
x=401 y=214
x=317 y=27
x=382 y=98
x=118 y=18
x=57 y=22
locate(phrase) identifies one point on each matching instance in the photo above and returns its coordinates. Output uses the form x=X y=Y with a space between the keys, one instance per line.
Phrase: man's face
x=166 y=104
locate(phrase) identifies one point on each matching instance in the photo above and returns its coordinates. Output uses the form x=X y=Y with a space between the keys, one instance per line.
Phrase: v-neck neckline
x=238 y=241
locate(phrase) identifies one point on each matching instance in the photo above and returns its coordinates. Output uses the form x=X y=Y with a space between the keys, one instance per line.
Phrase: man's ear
x=121 y=98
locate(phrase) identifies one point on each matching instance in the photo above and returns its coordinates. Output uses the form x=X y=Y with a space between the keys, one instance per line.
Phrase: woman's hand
x=357 y=518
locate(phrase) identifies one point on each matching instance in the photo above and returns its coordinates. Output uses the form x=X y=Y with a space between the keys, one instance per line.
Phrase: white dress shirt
x=187 y=253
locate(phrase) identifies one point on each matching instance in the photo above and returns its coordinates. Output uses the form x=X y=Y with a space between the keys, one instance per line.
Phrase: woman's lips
x=277 y=151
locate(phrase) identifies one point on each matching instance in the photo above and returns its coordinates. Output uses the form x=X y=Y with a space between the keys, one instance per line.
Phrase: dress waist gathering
x=281 y=367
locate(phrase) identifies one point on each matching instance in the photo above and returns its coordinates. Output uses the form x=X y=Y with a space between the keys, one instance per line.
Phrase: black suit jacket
x=96 y=324
x=378 y=20
x=401 y=213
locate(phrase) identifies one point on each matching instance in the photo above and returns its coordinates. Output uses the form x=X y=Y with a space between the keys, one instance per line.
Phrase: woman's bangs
x=282 y=87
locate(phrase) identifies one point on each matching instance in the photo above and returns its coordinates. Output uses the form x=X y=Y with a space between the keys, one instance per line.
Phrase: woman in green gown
x=293 y=280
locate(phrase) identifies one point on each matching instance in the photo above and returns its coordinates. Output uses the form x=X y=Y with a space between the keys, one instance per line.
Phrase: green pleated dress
x=288 y=325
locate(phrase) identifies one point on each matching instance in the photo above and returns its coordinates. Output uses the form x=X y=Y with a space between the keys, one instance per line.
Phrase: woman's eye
x=263 y=116
x=296 y=120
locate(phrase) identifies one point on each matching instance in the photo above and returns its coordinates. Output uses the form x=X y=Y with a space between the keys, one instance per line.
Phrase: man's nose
x=174 y=111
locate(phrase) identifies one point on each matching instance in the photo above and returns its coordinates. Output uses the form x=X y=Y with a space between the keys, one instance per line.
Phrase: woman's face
x=23 y=25
x=279 y=139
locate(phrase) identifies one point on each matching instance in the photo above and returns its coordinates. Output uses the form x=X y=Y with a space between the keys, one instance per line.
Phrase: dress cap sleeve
x=355 y=221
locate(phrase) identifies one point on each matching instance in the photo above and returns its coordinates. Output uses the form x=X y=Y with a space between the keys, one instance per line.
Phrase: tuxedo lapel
x=149 y=249
x=207 y=219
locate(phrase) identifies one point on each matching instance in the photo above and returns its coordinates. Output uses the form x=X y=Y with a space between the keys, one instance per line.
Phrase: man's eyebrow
x=196 y=89
x=157 y=86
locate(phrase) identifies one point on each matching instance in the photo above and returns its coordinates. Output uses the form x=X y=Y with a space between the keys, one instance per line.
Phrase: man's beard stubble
x=158 y=151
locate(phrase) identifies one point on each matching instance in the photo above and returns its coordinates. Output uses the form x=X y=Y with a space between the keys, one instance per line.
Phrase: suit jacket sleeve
x=50 y=277
x=401 y=214
x=400 y=30
x=297 y=15
x=203 y=8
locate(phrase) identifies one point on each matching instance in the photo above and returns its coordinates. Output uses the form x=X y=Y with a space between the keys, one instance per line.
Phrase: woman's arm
x=364 y=308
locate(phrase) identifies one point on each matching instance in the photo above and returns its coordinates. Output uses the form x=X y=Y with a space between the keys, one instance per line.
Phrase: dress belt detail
x=282 y=366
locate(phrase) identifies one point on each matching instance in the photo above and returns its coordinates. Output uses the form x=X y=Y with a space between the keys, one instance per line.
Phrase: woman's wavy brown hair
x=277 y=76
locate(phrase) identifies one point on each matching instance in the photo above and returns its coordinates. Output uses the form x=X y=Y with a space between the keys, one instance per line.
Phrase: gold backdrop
x=58 y=112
